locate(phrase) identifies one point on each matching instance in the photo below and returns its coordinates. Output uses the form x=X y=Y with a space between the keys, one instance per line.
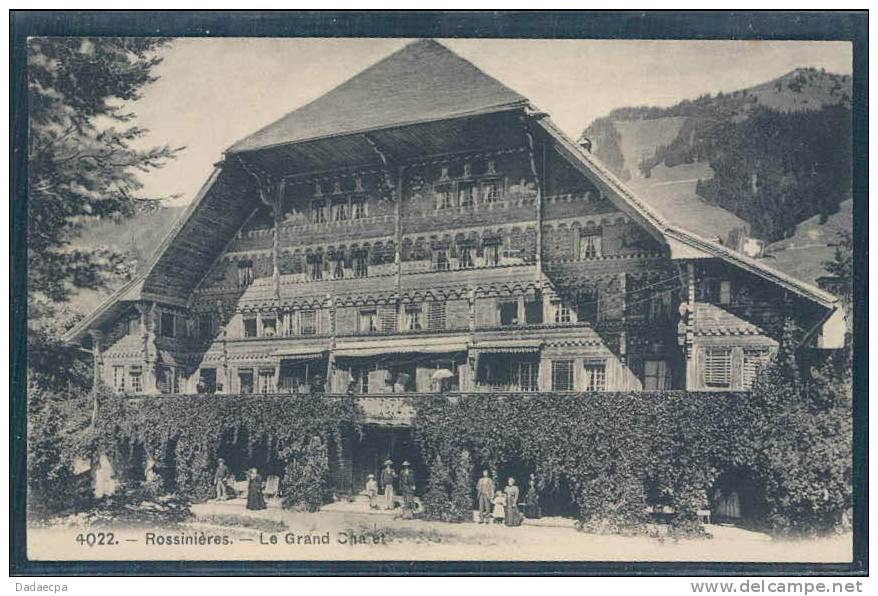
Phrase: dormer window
x=358 y=184
x=467 y=170
x=318 y=189
x=318 y=211
x=336 y=188
x=492 y=167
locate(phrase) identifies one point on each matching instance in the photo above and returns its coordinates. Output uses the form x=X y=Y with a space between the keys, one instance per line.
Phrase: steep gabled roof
x=422 y=82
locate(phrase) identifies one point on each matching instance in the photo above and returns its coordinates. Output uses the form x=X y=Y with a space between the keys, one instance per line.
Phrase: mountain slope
x=773 y=155
x=137 y=238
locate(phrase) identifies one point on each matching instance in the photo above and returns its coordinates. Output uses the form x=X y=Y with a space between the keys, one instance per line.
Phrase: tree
x=84 y=164
x=83 y=160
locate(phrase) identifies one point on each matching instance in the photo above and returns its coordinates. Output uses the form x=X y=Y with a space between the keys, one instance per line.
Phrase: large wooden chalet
x=424 y=228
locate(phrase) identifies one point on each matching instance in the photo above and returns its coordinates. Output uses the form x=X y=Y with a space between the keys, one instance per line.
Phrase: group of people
x=385 y=486
x=502 y=507
x=224 y=480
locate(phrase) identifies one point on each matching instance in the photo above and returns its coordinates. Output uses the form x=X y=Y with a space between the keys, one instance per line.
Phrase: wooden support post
x=97 y=362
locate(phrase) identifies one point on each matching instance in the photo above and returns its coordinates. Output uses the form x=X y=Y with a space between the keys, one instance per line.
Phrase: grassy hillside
x=774 y=155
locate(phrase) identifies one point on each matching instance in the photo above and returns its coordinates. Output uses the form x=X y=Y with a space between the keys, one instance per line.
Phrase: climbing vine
x=182 y=436
x=618 y=453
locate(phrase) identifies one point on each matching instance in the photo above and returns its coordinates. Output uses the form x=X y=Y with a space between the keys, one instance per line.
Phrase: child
x=499 y=512
x=372 y=491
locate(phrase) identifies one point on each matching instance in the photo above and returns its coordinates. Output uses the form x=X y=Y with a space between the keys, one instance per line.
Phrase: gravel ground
x=350 y=531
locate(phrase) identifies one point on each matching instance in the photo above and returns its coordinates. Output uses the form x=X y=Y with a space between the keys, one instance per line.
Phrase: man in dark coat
x=407 y=487
x=219 y=479
x=388 y=475
x=485 y=493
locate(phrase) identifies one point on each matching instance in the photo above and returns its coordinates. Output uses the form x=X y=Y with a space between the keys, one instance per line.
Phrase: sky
x=212 y=92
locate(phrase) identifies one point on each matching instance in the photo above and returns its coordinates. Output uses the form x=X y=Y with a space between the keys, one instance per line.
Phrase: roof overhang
x=682 y=244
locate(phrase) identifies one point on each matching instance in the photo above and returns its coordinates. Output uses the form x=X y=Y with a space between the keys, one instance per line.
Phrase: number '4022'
x=96 y=539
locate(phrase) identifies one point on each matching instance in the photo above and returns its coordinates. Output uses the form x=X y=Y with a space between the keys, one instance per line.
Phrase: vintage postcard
x=439 y=299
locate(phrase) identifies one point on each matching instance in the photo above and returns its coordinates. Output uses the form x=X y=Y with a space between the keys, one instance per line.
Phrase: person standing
x=372 y=491
x=485 y=494
x=532 y=500
x=407 y=488
x=388 y=476
x=513 y=517
x=255 y=500
x=219 y=480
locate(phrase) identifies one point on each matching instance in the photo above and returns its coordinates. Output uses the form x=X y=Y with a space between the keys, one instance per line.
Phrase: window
x=754 y=360
x=562 y=375
x=725 y=292
x=491 y=192
x=467 y=194
x=168 y=324
x=587 y=305
x=368 y=320
x=245 y=273
x=340 y=210
x=308 y=322
x=466 y=258
x=413 y=313
x=492 y=255
x=444 y=198
x=361 y=265
x=562 y=312
x=205 y=326
x=266 y=380
x=245 y=381
x=533 y=311
x=437 y=316
x=595 y=375
x=135 y=379
x=589 y=246
x=358 y=208
x=249 y=326
x=134 y=325
x=338 y=269
x=718 y=367
x=269 y=326
x=440 y=260
x=316 y=268
x=360 y=379
x=508 y=311
x=119 y=378
x=528 y=375
x=318 y=211
x=656 y=375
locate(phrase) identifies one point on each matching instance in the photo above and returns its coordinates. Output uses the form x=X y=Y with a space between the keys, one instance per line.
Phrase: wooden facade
x=455 y=250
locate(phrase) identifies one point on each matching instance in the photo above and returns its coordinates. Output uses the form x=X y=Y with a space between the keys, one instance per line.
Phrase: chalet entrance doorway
x=378 y=444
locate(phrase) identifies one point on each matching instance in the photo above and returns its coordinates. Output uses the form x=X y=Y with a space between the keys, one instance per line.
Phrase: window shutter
x=388 y=318
x=718 y=367
x=437 y=316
